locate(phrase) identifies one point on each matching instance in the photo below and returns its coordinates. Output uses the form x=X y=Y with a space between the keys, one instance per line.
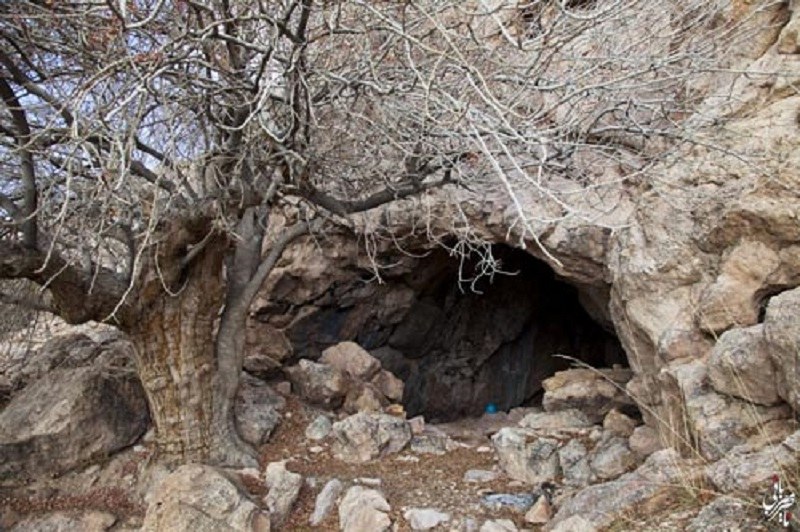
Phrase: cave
x=460 y=337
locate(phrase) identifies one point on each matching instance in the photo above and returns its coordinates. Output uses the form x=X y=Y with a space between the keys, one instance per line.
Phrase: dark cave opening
x=463 y=345
x=458 y=346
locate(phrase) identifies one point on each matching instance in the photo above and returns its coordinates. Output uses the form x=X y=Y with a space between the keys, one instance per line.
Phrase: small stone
x=499 y=525
x=319 y=429
x=389 y=385
x=483 y=449
x=574 y=461
x=395 y=410
x=371 y=482
x=316 y=449
x=612 y=459
x=540 y=513
x=325 y=501
x=364 y=398
x=561 y=419
x=284 y=388
x=284 y=488
x=425 y=518
x=644 y=441
x=519 y=502
x=618 y=423
x=417 y=425
x=364 y=510
x=480 y=475
x=365 y=436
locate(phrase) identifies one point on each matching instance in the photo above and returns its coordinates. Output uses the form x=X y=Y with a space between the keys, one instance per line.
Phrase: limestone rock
x=782 y=333
x=69 y=417
x=284 y=488
x=516 y=502
x=319 y=429
x=365 y=436
x=644 y=441
x=432 y=441
x=350 y=358
x=574 y=461
x=480 y=475
x=319 y=384
x=526 y=457
x=741 y=470
x=67 y=522
x=364 y=510
x=600 y=504
x=561 y=419
x=612 y=458
x=593 y=392
x=198 y=498
x=740 y=365
x=364 y=397
x=256 y=410
x=725 y=514
x=266 y=348
x=540 y=513
x=325 y=501
x=425 y=518
x=389 y=385
x=619 y=424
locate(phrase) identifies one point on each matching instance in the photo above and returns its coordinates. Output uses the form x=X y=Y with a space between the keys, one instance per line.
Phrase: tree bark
x=178 y=366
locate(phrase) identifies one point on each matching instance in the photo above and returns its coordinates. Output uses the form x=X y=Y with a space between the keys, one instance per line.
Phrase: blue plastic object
x=491 y=408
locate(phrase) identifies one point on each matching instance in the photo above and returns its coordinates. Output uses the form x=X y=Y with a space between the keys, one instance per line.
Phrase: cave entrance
x=464 y=343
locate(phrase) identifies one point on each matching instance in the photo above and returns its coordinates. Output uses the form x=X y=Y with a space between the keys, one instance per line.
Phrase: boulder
x=782 y=333
x=70 y=417
x=726 y=514
x=364 y=397
x=425 y=518
x=257 y=410
x=266 y=349
x=644 y=441
x=562 y=419
x=351 y=358
x=364 y=510
x=643 y=489
x=198 y=498
x=612 y=457
x=525 y=456
x=619 y=424
x=740 y=365
x=593 y=392
x=499 y=525
x=284 y=488
x=325 y=501
x=365 y=436
x=319 y=384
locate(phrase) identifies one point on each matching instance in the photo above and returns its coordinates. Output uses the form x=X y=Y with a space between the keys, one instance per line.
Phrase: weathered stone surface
x=364 y=397
x=197 y=498
x=432 y=441
x=353 y=359
x=256 y=410
x=574 y=461
x=69 y=417
x=561 y=419
x=782 y=333
x=266 y=348
x=612 y=458
x=365 y=436
x=67 y=522
x=743 y=470
x=325 y=501
x=364 y=510
x=480 y=475
x=600 y=504
x=319 y=384
x=740 y=365
x=593 y=392
x=726 y=514
x=525 y=456
x=720 y=422
x=644 y=441
x=516 y=502
x=284 y=488
x=425 y=518
x=619 y=424
x=319 y=429
x=389 y=385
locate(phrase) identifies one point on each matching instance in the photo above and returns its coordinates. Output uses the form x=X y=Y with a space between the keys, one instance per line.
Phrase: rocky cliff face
x=703 y=249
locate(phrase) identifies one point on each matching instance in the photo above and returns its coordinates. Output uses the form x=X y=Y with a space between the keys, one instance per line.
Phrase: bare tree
x=147 y=145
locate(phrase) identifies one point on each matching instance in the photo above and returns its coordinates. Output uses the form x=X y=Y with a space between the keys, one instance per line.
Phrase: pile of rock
x=346 y=377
